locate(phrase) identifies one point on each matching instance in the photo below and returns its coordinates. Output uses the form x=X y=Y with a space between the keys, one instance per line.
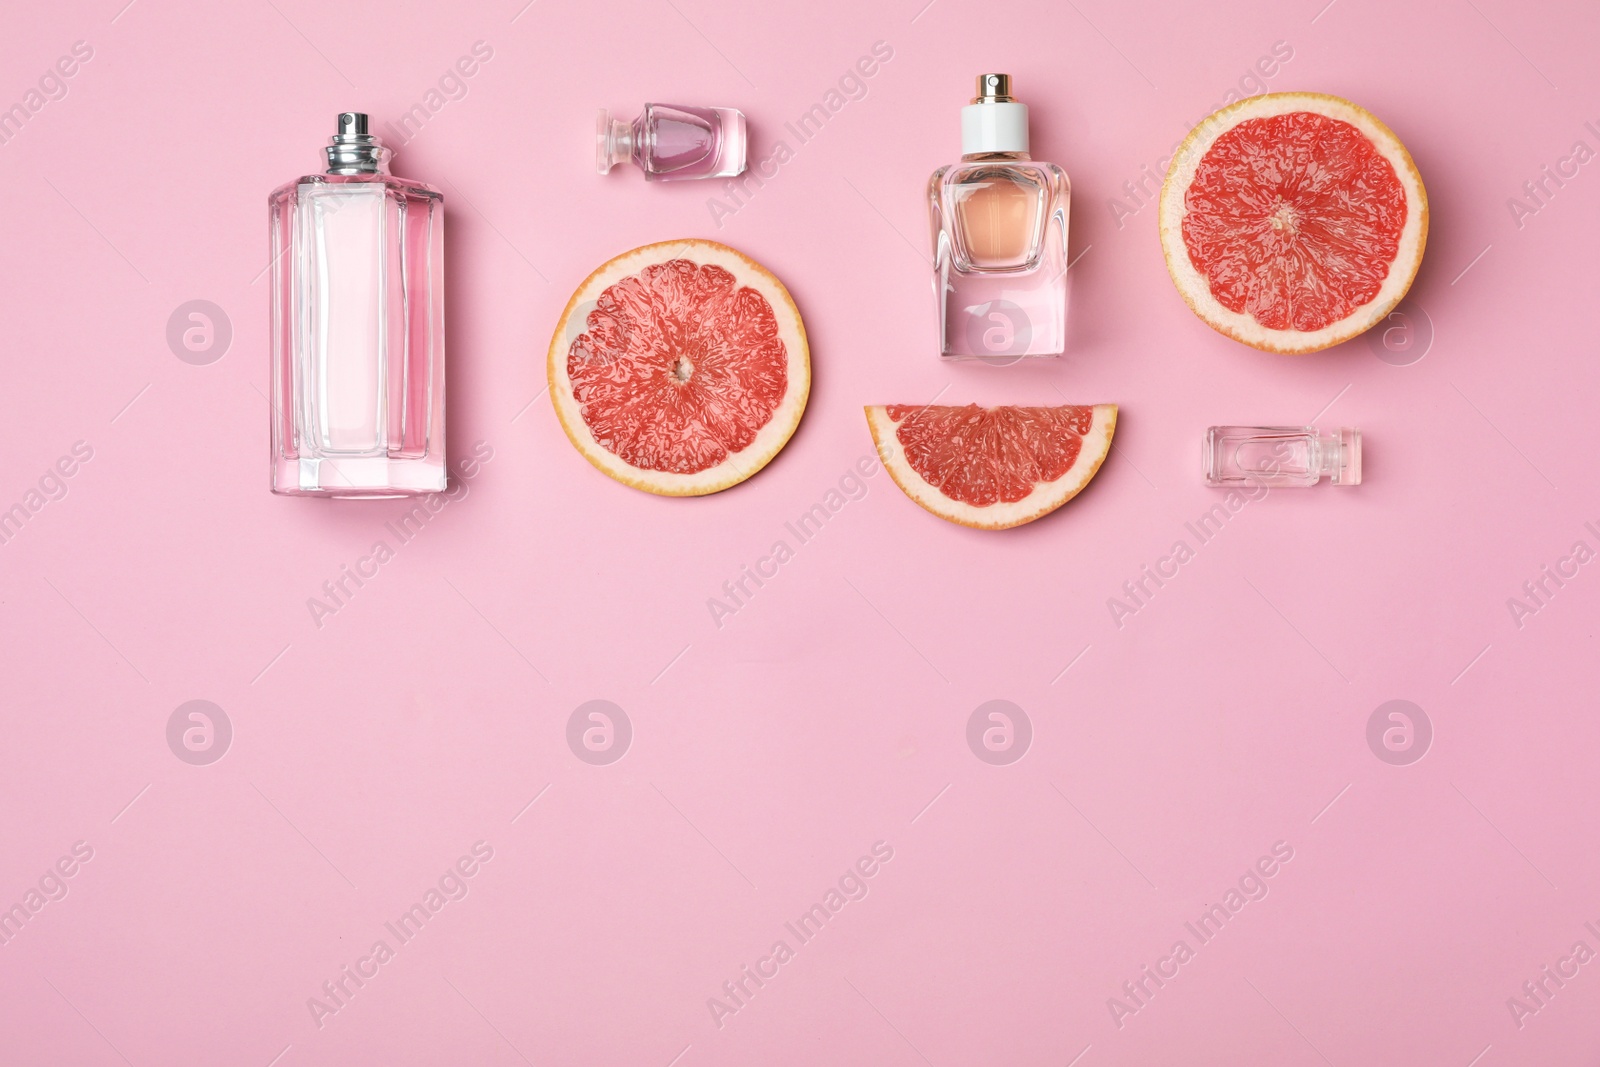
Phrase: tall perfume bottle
x=1277 y=456
x=357 y=327
x=670 y=142
x=999 y=237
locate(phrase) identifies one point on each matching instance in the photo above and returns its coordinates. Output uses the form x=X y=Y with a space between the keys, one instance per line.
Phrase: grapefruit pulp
x=1292 y=221
x=680 y=368
x=992 y=468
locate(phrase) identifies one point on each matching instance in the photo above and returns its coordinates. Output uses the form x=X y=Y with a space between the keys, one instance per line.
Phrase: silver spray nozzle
x=355 y=151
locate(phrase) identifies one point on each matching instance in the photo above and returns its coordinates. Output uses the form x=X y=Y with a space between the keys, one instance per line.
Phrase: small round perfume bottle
x=670 y=142
x=1276 y=456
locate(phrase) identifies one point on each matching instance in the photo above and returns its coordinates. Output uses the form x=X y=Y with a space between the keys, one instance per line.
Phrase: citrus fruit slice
x=680 y=368
x=992 y=468
x=1293 y=221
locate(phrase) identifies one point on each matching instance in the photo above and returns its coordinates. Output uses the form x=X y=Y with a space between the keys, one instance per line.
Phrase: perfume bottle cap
x=613 y=141
x=355 y=151
x=994 y=121
x=1346 y=467
x=993 y=89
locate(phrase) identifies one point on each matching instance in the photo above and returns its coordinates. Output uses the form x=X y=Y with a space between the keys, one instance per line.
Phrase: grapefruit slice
x=680 y=368
x=992 y=468
x=1293 y=221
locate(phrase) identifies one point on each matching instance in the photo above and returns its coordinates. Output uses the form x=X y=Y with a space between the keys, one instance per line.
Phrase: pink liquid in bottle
x=357 y=327
x=672 y=143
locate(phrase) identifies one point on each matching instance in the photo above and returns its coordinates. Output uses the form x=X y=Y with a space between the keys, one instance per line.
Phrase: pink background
x=830 y=712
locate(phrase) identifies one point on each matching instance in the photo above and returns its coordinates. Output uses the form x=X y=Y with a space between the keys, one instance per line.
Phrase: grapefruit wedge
x=992 y=468
x=1293 y=221
x=680 y=368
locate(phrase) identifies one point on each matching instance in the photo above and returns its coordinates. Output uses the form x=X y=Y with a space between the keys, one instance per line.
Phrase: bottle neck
x=360 y=153
x=1337 y=456
x=615 y=142
x=996 y=157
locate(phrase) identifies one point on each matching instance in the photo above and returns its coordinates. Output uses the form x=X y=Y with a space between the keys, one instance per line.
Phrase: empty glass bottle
x=1280 y=456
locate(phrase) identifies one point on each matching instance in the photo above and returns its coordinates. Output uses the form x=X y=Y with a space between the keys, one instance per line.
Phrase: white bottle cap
x=994 y=121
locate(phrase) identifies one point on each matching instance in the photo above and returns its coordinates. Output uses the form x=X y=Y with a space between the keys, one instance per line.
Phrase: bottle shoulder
x=312 y=184
x=411 y=185
x=959 y=180
x=1057 y=172
x=990 y=169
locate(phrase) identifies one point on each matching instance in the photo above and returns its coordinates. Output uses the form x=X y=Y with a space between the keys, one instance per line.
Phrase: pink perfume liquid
x=357 y=328
x=671 y=143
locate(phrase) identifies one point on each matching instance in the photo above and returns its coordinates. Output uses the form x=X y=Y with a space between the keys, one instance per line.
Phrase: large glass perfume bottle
x=999 y=237
x=1277 y=456
x=670 y=142
x=357 y=327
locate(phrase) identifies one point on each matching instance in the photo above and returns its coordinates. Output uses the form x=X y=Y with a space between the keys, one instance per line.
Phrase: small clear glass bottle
x=1276 y=456
x=999 y=221
x=670 y=142
x=357 y=327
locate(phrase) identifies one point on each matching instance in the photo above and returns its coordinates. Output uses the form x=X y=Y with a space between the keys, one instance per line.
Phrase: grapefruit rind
x=1242 y=327
x=771 y=438
x=1045 y=498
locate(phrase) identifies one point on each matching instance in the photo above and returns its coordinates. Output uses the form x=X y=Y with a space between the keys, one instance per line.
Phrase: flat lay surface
x=554 y=771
